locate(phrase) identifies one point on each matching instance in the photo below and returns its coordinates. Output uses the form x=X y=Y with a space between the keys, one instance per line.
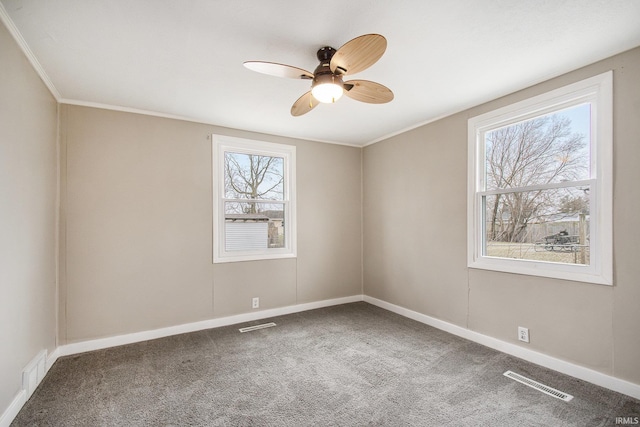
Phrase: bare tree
x=253 y=177
x=575 y=204
x=537 y=151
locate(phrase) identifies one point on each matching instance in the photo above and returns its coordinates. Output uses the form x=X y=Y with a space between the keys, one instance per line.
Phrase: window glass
x=544 y=225
x=541 y=150
x=254 y=222
x=252 y=176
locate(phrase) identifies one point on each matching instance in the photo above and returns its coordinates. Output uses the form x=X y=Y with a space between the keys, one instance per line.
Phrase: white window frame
x=222 y=144
x=598 y=91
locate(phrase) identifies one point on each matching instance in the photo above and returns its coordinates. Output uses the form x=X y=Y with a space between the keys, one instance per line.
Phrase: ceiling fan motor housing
x=324 y=56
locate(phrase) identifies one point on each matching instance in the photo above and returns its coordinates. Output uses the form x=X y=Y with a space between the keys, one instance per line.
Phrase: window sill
x=575 y=273
x=251 y=257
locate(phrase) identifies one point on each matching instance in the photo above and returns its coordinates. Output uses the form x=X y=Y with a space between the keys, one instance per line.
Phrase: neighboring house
x=254 y=231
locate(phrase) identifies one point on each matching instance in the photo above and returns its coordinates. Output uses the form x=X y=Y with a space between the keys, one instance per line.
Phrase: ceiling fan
x=327 y=85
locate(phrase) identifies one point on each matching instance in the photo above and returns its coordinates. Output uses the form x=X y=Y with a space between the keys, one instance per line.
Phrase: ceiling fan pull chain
x=333 y=81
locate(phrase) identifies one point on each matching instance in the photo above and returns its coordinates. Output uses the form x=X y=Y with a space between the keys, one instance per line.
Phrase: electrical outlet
x=255 y=303
x=523 y=334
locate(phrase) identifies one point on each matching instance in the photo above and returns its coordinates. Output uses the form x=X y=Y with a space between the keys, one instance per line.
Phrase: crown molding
x=26 y=50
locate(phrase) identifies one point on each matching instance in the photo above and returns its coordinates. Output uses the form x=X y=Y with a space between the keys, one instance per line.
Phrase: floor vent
x=34 y=372
x=540 y=387
x=256 y=327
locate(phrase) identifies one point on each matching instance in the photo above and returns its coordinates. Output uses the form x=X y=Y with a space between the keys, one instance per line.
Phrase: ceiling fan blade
x=358 y=54
x=304 y=104
x=367 y=91
x=278 y=70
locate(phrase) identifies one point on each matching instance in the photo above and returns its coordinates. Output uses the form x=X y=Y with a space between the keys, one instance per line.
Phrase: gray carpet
x=348 y=365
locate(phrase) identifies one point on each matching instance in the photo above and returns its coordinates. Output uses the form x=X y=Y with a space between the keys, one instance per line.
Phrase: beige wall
x=137 y=227
x=415 y=240
x=27 y=217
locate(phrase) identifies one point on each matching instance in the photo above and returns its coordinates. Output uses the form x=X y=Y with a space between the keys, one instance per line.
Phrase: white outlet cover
x=523 y=334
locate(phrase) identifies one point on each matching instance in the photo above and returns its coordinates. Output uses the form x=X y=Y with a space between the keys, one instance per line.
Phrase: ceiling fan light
x=327 y=92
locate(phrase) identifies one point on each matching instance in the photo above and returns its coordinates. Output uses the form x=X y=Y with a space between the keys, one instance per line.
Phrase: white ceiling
x=184 y=58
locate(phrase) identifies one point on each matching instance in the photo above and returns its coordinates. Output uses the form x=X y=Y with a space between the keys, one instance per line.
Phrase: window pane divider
x=264 y=201
x=550 y=186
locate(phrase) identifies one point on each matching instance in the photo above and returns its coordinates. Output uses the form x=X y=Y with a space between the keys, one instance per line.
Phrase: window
x=254 y=200
x=540 y=184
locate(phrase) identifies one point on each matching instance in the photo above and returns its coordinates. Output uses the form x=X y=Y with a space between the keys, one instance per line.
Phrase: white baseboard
x=98 y=344
x=576 y=371
x=52 y=357
x=586 y=374
x=18 y=402
x=11 y=412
